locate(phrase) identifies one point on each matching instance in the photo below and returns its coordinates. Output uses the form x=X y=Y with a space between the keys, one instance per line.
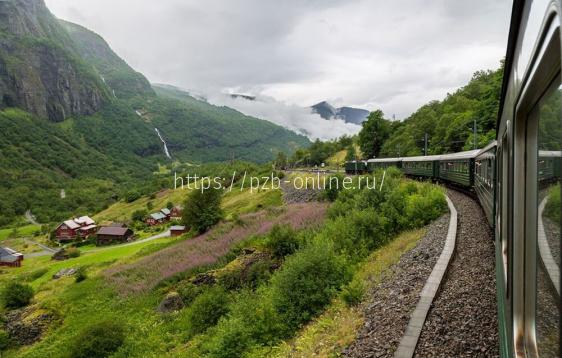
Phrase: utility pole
x=425 y=144
x=475 y=134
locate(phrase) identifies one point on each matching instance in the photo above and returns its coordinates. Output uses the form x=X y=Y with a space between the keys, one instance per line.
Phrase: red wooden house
x=178 y=230
x=156 y=219
x=10 y=258
x=176 y=213
x=78 y=227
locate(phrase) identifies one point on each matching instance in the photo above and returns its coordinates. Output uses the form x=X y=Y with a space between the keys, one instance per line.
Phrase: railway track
x=463 y=320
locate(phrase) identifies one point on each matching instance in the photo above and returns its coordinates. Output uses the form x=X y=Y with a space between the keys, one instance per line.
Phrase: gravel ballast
x=388 y=308
x=463 y=319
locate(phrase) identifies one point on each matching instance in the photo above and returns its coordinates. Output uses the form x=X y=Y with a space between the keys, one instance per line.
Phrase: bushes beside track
x=317 y=267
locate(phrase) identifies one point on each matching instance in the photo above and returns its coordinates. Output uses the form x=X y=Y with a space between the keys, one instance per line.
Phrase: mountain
x=39 y=68
x=348 y=114
x=243 y=96
x=75 y=116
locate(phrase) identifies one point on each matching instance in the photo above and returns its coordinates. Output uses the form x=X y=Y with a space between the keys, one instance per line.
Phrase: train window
x=547 y=299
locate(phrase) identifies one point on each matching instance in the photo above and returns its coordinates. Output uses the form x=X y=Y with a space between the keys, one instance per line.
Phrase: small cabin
x=10 y=258
x=156 y=219
x=113 y=234
x=178 y=230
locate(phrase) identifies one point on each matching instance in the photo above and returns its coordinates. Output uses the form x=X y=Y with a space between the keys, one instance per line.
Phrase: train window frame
x=543 y=76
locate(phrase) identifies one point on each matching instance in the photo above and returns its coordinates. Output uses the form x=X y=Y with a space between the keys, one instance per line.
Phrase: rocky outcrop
x=172 y=302
x=27 y=325
x=39 y=69
x=123 y=81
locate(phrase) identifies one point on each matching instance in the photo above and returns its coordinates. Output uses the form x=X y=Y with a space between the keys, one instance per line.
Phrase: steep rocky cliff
x=123 y=81
x=40 y=70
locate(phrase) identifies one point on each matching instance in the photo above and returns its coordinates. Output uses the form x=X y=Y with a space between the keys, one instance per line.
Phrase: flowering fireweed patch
x=206 y=249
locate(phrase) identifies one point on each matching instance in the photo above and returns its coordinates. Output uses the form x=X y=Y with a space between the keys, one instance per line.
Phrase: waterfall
x=163 y=141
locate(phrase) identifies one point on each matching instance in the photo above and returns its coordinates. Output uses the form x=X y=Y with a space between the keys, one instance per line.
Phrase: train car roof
x=384 y=160
x=453 y=156
x=421 y=158
x=491 y=145
x=461 y=155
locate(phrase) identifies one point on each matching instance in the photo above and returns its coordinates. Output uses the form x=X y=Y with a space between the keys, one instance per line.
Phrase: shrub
x=353 y=293
x=230 y=279
x=425 y=206
x=169 y=205
x=5 y=341
x=139 y=215
x=282 y=241
x=252 y=321
x=307 y=282
x=552 y=206
x=33 y=275
x=206 y=310
x=132 y=196
x=357 y=233
x=16 y=295
x=188 y=292
x=258 y=273
x=98 y=341
x=333 y=187
x=72 y=252
x=81 y=274
x=202 y=209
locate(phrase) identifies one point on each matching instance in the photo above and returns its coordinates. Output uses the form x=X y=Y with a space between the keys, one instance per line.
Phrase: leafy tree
x=351 y=153
x=375 y=131
x=169 y=205
x=281 y=160
x=202 y=209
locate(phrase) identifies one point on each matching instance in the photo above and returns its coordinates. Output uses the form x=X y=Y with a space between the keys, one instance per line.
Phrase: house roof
x=9 y=255
x=165 y=211
x=71 y=224
x=157 y=216
x=89 y=227
x=84 y=220
x=177 y=228
x=112 y=230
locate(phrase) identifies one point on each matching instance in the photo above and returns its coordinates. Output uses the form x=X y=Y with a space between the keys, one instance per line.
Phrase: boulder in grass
x=172 y=302
x=64 y=272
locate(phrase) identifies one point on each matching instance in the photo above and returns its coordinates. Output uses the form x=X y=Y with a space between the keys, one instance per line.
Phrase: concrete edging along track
x=408 y=343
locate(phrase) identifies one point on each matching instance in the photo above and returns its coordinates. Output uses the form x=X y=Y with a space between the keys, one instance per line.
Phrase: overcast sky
x=393 y=55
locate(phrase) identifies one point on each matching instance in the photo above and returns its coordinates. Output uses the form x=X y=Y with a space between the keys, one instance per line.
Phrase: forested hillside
x=75 y=116
x=449 y=123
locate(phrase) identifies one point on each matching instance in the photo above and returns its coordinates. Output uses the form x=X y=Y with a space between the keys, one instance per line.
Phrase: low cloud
x=299 y=119
x=374 y=54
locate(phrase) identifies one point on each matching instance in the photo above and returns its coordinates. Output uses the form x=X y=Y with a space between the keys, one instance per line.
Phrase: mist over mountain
x=303 y=120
